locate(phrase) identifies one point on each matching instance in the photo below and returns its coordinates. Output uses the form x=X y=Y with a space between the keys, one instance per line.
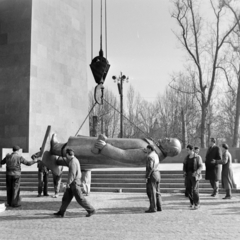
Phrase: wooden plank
x=44 y=147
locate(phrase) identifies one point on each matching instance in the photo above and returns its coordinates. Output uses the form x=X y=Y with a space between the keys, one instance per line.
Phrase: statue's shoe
x=53 y=141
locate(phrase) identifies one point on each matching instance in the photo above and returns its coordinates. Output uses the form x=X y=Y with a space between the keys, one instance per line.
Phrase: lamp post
x=120 y=80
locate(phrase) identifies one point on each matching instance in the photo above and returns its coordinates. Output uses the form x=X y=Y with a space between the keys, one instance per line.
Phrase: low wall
x=235 y=152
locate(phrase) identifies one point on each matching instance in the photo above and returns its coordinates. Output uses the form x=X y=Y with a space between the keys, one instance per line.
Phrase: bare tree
x=224 y=116
x=182 y=88
x=234 y=62
x=132 y=113
x=202 y=47
x=140 y=116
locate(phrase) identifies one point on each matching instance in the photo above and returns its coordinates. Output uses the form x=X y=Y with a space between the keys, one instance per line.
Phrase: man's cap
x=69 y=151
x=16 y=148
x=213 y=140
x=225 y=146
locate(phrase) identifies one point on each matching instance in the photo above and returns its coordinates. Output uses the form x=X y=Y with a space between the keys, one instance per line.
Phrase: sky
x=140 y=44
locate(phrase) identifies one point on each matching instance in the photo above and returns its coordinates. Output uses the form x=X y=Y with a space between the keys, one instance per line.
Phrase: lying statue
x=103 y=152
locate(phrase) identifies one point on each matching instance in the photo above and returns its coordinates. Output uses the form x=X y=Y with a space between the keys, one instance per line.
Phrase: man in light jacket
x=153 y=180
x=73 y=187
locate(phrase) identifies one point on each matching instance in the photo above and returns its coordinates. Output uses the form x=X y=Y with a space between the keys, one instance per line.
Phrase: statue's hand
x=100 y=144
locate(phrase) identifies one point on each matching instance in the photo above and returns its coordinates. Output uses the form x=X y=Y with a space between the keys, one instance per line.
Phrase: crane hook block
x=99 y=67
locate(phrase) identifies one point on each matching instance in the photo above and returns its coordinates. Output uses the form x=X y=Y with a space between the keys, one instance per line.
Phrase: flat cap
x=16 y=148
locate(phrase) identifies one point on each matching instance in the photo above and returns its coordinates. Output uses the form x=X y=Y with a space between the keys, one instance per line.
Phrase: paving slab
x=121 y=216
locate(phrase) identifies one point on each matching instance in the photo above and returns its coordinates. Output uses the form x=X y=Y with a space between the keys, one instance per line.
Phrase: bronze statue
x=103 y=152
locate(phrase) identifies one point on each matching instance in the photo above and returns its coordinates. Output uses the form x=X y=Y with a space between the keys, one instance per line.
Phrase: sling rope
x=146 y=134
x=85 y=118
x=119 y=113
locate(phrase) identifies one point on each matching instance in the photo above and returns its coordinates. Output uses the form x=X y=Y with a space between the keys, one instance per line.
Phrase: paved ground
x=121 y=216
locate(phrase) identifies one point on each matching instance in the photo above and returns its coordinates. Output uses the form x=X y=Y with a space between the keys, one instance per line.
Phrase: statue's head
x=170 y=146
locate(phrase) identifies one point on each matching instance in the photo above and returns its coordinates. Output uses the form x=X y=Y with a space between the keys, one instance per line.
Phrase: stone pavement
x=121 y=216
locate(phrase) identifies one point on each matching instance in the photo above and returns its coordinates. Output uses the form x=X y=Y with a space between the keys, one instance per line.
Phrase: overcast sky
x=140 y=44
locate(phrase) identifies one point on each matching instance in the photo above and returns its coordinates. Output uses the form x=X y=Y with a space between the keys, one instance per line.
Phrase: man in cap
x=153 y=180
x=13 y=175
x=196 y=150
x=73 y=186
x=43 y=173
x=192 y=170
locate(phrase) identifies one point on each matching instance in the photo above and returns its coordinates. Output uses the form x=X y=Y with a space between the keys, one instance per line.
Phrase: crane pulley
x=99 y=65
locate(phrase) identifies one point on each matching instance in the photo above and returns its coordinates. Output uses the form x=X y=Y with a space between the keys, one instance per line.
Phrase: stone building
x=43 y=71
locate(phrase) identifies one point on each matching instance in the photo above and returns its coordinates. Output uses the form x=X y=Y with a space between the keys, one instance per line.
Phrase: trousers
x=13 y=190
x=193 y=189
x=215 y=186
x=153 y=192
x=42 y=182
x=75 y=191
x=57 y=182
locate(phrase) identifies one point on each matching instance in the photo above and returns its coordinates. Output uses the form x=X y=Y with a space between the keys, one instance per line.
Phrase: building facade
x=43 y=71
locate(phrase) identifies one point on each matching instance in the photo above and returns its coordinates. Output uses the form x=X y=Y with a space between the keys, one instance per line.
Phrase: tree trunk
x=94 y=126
x=209 y=132
x=184 y=129
x=237 y=116
x=203 y=126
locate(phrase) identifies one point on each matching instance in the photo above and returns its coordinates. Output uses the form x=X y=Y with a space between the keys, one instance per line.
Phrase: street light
x=120 y=80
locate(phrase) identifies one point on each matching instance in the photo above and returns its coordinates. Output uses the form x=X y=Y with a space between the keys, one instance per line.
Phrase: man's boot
x=228 y=194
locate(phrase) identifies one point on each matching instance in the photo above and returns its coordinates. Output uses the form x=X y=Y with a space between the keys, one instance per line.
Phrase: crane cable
x=106 y=27
x=101 y=28
x=92 y=29
x=100 y=48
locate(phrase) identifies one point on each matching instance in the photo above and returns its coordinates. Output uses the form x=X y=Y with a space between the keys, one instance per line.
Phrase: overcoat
x=213 y=170
x=227 y=172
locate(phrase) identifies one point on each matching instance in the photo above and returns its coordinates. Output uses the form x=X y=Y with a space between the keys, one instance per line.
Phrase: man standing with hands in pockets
x=192 y=170
x=153 y=180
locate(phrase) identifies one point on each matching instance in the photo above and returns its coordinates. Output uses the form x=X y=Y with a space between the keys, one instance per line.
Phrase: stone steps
x=117 y=181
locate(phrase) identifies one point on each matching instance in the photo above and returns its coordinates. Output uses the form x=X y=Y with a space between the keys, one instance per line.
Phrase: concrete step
x=28 y=188
x=138 y=180
x=112 y=181
x=121 y=180
x=163 y=190
x=143 y=185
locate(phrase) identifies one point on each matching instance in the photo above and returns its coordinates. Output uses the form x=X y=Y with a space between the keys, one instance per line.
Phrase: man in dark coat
x=13 y=175
x=213 y=169
x=192 y=168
